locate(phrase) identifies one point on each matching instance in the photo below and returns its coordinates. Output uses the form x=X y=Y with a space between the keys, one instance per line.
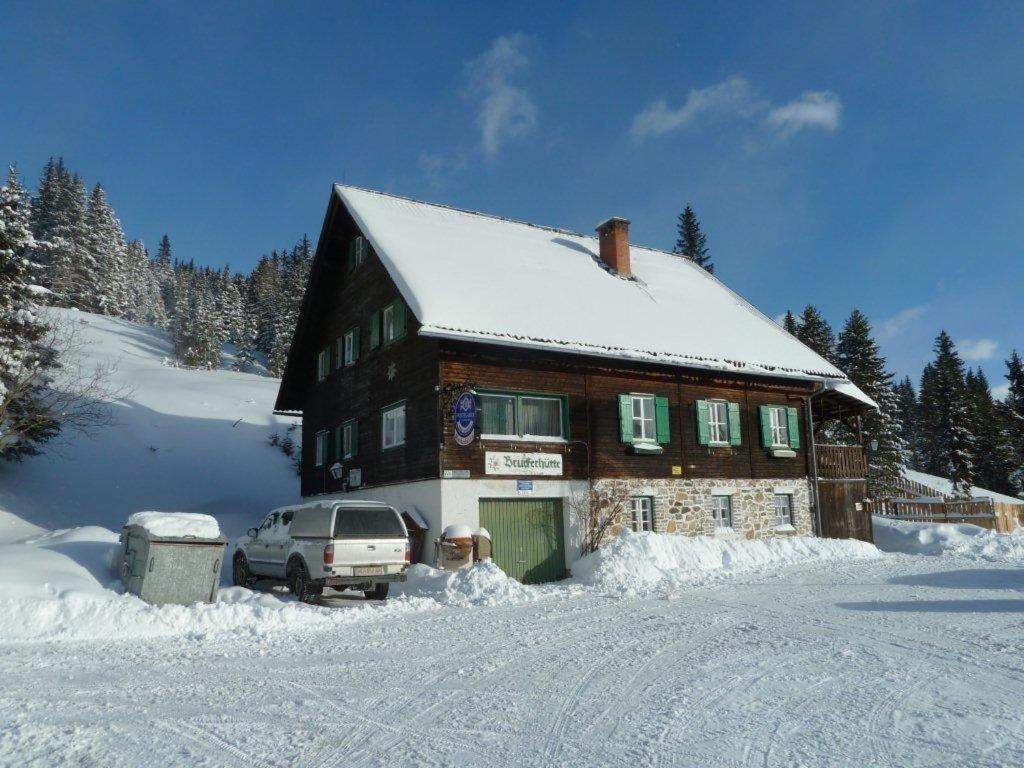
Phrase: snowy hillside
x=185 y=440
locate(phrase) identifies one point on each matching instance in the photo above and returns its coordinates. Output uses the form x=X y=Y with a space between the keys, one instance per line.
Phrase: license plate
x=368 y=570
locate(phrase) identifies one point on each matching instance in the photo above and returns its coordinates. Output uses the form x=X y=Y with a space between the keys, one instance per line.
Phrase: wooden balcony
x=841 y=462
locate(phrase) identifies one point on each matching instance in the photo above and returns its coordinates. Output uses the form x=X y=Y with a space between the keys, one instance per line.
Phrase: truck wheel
x=379 y=591
x=300 y=585
x=241 y=576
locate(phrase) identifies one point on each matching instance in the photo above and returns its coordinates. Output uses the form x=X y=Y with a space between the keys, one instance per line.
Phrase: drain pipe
x=814 y=454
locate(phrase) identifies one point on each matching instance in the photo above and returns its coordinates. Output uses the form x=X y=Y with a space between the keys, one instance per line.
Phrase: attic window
x=358 y=252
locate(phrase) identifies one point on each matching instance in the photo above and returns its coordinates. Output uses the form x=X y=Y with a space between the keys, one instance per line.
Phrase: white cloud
x=895 y=325
x=731 y=96
x=978 y=349
x=815 y=109
x=1000 y=392
x=505 y=111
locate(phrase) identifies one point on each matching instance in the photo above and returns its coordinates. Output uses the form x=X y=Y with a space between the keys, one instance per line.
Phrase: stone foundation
x=683 y=506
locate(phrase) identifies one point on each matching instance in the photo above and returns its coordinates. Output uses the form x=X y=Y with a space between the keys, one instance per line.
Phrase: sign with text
x=500 y=463
x=524 y=487
x=465 y=418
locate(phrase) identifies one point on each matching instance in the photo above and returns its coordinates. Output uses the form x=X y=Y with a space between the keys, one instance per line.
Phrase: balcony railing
x=841 y=462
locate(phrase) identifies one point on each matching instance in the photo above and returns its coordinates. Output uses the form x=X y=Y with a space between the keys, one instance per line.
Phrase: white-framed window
x=323 y=363
x=721 y=511
x=322 y=442
x=512 y=416
x=783 y=509
x=718 y=422
x=779 y=420
x=387 y=323
x=392 y=422
x=643 y=513
x=644 y=426
x=350 y=351
x=348 y=439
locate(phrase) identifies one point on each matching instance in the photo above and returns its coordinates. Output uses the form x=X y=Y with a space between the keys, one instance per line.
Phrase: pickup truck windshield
x=367 y=524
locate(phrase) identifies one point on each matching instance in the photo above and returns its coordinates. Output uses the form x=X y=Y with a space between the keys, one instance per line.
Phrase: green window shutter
x=626 y=418
x=399 y=306
x=766 y=425
x=793 y=417
x=735 y=428
x=355 y=343
x=375 y=330
x=361 y=248
x=355 y=437
x=703 y=430
x=338 y=444
x=661 y=419
x=350 y=261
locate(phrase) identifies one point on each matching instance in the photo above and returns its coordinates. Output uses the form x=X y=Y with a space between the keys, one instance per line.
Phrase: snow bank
x=638 y=564
x=947 y=538
x=177 y=524
x=482 y=584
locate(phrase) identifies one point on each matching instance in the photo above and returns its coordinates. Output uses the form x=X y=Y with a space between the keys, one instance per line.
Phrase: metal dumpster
x=162 y=569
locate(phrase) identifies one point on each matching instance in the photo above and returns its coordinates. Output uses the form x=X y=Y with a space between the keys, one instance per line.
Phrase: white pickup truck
x=361 y=545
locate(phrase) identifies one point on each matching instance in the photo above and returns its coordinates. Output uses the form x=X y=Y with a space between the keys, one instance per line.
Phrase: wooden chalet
x=494 y=373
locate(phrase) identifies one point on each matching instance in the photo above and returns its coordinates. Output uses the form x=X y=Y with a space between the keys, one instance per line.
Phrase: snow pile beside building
x=176 y=525
x=482 y=584
x=947 y=538
x=639 y=564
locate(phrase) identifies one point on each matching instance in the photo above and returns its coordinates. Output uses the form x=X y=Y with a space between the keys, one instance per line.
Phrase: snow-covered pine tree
x=790 y=324
x=816 y=333
x=909 y=412
x=106 y=246
x=996 y=456
x=1013 y=409
x=163 y=270
x=25 y=358
x=230 y=308
x=58 y=221
x=859 y=357
x=265 y=295
x=691 y=242
x=296 y=265
x=145 y=304
x=194 y=331
x=948 y=444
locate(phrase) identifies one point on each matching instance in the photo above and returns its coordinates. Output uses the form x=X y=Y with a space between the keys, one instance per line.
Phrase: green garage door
x=527 y=537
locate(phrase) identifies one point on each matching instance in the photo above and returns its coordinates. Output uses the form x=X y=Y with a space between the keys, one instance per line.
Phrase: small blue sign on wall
x=465 y=418
x=524 y=486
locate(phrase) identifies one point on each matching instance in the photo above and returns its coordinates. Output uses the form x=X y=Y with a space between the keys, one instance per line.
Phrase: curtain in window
x=498 y=412
x=541 y=417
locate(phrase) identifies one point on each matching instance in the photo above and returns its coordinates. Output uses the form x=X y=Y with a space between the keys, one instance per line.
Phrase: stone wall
x=683 y=506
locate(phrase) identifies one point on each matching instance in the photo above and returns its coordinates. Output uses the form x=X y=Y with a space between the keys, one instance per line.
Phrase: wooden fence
x=980 y=512
x=841 y=462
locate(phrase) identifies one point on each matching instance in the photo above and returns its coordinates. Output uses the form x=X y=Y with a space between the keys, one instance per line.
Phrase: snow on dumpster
x=172 y=557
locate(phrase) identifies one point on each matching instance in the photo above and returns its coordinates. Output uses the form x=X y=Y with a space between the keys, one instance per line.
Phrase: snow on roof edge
x=943 y=485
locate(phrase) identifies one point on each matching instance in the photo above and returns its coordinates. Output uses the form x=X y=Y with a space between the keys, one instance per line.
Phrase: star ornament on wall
x=392 y=371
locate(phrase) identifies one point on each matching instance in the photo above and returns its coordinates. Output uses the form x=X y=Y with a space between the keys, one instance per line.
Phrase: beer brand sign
x=464 y=418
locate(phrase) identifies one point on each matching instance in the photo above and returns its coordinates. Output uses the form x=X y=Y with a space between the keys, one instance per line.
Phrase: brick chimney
x=613 y=234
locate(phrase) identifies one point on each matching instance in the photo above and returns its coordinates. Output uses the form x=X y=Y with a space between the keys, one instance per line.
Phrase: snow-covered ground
x=181 y=440
x=799 y=654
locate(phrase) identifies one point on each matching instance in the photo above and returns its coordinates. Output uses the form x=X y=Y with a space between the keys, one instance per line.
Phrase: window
x=387 y=317
x=721 y=511
x=643 y=418
x=350 y=346
x=349 y=440
x=520 y=416
x=358 y=251
x=367 y=523
x=393 y=426
x=643 y=513
x=780 y=426
x=718 y=422
x=783 y=509
x=387 y=325
x=323 y=363
x=322 y=444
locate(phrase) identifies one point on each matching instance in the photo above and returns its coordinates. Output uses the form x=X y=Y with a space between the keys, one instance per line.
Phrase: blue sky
x=848 y=155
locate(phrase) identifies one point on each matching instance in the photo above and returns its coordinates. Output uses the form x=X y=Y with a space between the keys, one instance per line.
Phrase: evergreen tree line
x=79 y=257
x=949 y=425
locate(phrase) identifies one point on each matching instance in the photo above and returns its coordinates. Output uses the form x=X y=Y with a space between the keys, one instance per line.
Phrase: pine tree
x=816 y=333
x=858 y=356
x=58 y=220
x=691 y=242
x=996 y=458
x=25 y=421
x=105 y=245
x=145 y=304
x=948 y=445
x=163 y=269
x=790 y=324
x=909 y=412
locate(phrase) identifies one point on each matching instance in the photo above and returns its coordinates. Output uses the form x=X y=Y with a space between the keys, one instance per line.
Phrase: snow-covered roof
x=848 y=388
x=945 y=486
x=483 y=278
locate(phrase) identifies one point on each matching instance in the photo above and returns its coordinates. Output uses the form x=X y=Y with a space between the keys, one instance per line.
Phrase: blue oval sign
x=465 y=418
